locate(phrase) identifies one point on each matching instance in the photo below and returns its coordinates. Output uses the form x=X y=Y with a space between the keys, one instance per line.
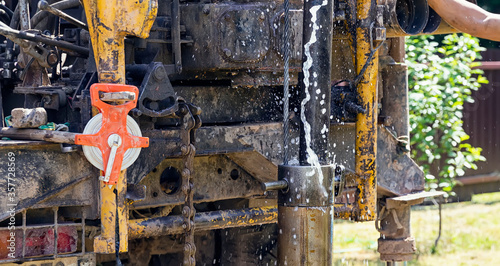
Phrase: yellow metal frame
x=366 y=128
x=109 y=22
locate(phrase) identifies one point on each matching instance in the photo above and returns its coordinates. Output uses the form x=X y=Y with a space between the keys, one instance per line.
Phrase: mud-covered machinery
x=104 y=157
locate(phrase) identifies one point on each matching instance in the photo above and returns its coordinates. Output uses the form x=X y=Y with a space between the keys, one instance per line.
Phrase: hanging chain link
x=188 y=210
x=191 y=121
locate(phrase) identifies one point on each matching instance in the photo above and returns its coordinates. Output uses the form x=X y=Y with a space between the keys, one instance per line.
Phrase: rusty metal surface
x=305 y=236
x=202 y=221
x=47 y=181
x=215 y=178
x=396 y=250
x=397 y=172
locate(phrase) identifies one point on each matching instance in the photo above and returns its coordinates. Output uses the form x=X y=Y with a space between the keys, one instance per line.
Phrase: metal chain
x=188 y=210
x=191 y=121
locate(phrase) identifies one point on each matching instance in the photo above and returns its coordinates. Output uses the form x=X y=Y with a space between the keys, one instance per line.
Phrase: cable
x=286 y=92
x=117 y=233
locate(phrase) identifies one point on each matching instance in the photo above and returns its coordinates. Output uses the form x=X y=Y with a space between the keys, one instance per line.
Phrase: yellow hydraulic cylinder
x=366 y=129
x=109 y=21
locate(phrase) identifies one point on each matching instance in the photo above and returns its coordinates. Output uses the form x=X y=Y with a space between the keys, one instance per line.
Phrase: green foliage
x=441 y=80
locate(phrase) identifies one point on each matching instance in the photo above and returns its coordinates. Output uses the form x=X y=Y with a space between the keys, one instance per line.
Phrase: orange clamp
x=114 y=122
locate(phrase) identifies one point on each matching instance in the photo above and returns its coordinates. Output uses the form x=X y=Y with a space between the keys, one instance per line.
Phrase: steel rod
x=316 y=82
x=45 y=6
x=170 y=225
x=38 y=134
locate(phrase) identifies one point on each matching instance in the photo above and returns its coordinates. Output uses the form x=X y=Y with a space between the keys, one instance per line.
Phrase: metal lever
x=45 y=6
x=114 y=142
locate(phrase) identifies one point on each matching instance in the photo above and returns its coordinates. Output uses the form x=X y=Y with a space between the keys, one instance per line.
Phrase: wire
x=117 y=232
x=286 y=91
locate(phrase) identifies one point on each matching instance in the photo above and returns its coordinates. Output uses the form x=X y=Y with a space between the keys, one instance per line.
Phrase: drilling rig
x=167 y=132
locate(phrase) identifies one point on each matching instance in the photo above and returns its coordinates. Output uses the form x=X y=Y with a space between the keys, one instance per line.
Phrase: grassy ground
x=470 y=235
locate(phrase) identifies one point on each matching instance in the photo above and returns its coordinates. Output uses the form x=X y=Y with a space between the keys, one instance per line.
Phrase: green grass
x=470 y=235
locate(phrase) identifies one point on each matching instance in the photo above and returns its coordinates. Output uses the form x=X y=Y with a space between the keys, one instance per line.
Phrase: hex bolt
x=136 y=112
x=227 y=52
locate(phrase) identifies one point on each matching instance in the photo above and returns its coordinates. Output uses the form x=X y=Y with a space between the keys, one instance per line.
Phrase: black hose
x=4 y=17
x=7 y=10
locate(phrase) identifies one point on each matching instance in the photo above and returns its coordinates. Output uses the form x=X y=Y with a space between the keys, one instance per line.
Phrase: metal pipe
x=275 y=185
x=176 y=35
x=170 y=225
x=366 y=123
x=316 y=82
x=38 y=134
x=15 y=34
x=24 y=13
x=306 y=236
x=61 y=5
x=395 y=100
x=45 y=6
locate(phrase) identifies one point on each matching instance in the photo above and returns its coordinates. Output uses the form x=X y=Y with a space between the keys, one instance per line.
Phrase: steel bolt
x=160 y=73
x=52 y=59
x=186 y=211
x=227 y=52
x=184 y=149
x=185 y=173
x=262 y=16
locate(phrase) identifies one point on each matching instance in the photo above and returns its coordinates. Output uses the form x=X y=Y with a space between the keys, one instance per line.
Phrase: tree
x=441 y=80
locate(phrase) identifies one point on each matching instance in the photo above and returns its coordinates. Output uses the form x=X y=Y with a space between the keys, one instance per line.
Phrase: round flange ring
x=94 y=155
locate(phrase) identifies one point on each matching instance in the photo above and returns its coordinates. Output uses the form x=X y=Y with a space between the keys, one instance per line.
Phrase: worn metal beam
x=170 y=225
x=366 y=123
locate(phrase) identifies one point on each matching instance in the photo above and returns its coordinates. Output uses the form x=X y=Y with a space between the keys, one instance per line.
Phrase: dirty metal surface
x=397 y=174
x=45 y=180
x=216 y=178
x=150 y=227
x=237 y=104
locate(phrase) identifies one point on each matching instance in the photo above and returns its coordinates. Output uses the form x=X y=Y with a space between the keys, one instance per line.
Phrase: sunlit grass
x=470 y=235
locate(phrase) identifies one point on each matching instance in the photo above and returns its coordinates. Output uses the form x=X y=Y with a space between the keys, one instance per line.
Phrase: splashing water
x=312 y=157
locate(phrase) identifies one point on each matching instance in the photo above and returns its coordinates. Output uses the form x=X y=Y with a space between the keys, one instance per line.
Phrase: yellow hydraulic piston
x=366 y=129
x=109 y=21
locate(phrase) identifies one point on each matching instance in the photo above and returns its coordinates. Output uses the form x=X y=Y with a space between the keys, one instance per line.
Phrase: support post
x=305 y=210
x=366 y=123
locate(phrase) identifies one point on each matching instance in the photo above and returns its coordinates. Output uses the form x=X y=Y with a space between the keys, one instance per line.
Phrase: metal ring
x=94 y=155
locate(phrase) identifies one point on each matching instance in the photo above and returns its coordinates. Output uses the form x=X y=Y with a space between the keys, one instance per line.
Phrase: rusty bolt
x=52 y=59
x=227 y=17
x=185 y=173
x=185 y=189
x=262 y=16
x=227 y=52
x=184 y=149
x=206 y=10
x=184 y=226
x=186 y=211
